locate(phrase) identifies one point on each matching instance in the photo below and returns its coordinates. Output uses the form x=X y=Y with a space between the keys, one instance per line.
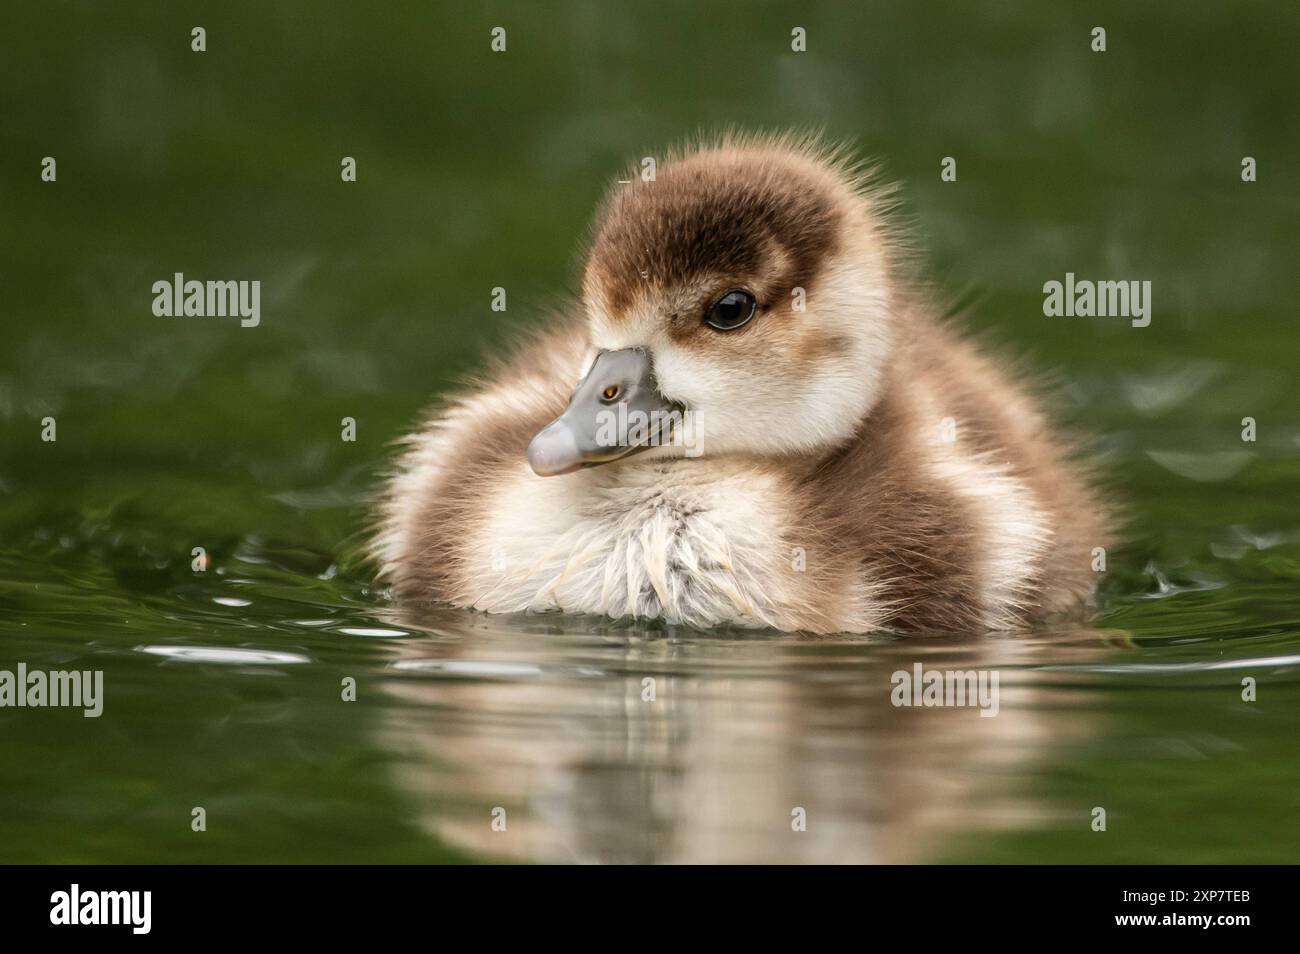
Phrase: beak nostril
x=611 y=391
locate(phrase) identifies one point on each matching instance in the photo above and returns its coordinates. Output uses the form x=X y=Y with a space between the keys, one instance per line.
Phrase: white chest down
x=684 y=541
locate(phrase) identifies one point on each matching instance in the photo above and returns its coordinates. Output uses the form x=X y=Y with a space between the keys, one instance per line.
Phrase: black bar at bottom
x=333 y=905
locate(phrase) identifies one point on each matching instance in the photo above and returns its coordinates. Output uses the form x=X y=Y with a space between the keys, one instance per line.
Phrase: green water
x=223 y=688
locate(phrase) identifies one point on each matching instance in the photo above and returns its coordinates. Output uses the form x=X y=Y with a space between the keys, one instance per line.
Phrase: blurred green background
x=478 y=169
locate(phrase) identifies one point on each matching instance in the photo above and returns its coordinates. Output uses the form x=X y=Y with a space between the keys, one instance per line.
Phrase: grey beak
x=616 y=410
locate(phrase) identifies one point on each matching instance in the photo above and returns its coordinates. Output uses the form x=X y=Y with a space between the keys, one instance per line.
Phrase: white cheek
x=764 y=408
x=735 y=407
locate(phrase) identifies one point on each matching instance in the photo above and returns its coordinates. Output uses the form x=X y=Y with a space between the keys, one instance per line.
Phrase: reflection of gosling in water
x=710 y=771
x=854 y=465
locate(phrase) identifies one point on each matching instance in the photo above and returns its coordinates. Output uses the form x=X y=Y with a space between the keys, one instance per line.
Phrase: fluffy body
x=864 y=468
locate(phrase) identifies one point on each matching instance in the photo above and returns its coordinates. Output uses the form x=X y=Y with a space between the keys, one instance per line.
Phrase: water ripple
x=234 y=657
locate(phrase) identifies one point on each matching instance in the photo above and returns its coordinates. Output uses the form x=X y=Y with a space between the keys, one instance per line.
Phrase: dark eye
x=732 y=310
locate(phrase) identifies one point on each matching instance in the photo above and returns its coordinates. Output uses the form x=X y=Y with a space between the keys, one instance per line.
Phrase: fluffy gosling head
x=747 y=286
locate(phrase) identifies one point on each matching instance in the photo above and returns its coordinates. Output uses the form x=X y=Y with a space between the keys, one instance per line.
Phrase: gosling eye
x=733 y=310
